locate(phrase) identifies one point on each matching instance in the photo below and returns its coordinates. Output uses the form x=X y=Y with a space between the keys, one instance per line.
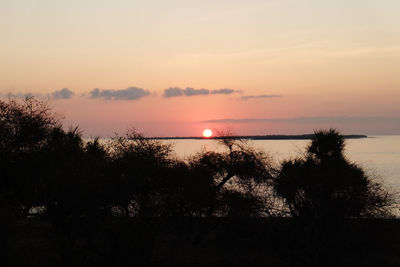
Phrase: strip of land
x=260 y=137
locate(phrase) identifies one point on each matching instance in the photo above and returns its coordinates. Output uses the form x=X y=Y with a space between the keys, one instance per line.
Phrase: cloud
x=26 y=95
x=191 y=92
x=247 y=97
x=224 y=91
x=311 y=120
x=18 y=95
x=176 y=91
x=347 y=124
x=130 y=93
x=64 y=93
x=173 y=91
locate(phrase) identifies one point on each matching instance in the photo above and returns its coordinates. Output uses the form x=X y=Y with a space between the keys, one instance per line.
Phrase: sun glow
x=207 y=133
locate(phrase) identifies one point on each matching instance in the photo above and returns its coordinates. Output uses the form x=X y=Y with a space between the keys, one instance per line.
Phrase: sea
x=378 y=155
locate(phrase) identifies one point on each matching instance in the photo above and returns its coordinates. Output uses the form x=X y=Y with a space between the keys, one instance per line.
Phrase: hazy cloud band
x=176 y=91
x=130 y=93
x=64 y=93
x=311 y=120
x=247 y=97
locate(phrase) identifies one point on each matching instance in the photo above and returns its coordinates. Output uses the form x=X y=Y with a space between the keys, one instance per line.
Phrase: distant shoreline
x=259 y=137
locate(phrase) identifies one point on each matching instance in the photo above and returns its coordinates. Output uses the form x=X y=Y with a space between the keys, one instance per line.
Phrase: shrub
x=323 y=183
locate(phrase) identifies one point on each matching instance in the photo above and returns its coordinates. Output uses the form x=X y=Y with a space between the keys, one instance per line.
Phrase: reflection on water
x=379 y=155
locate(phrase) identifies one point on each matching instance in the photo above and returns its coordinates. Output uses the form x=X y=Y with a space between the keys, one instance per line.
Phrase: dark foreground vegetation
x=128 y=202
x=262 y=137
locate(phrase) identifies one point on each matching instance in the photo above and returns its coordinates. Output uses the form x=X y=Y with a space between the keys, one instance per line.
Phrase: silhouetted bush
x=59 y=175
x=323 y=183
x=129 y=201
x=45 y=169
x=138 y=166
x=240 y=179
x=25 y=128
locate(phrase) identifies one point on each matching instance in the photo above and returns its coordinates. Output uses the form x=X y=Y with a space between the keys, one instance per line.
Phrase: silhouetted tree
x=45 y=167
x=77 y=177
x=323 y=183
x=183 y=189
x=241 y=178
x=63 y=176
x=25 y=128
x=138 y=166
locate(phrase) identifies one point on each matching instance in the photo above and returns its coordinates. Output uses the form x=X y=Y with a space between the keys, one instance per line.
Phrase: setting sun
x=207 y=133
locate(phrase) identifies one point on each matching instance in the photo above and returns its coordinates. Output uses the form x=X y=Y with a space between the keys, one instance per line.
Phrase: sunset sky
x=174 y=68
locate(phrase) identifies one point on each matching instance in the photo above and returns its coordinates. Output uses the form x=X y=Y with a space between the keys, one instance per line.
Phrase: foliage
x=240 y=176
x=57 y=174
x=79 y=190
x=323 y=183
x=25 y=128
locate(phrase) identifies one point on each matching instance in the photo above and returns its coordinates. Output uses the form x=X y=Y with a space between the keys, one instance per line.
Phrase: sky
x=174 y=68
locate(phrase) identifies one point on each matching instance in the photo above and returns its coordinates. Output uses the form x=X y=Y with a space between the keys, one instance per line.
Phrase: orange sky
x=336 y=63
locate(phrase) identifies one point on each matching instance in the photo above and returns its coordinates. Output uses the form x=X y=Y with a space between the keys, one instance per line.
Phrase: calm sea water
x=378 y=155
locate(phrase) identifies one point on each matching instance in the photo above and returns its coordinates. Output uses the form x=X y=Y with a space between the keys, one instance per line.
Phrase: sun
x=207 y=133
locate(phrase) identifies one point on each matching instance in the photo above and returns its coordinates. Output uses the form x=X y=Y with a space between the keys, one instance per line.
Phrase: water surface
x=378 y=155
